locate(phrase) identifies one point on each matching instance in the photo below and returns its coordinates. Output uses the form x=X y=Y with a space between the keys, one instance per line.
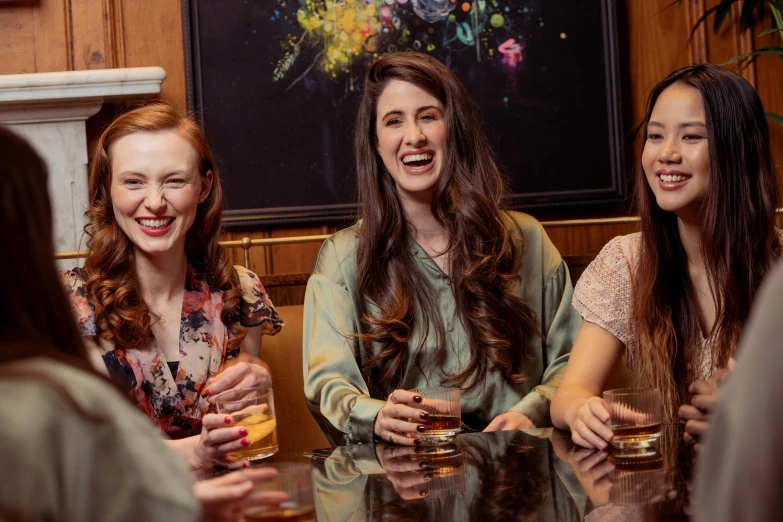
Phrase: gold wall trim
x=247 y=243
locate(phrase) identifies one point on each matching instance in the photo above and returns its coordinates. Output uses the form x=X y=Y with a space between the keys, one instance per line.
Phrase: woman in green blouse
x=435 y=286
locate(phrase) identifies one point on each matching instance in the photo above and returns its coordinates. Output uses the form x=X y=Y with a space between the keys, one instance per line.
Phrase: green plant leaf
x=708 y=12
x=777 y=118
x=774 y=50
x=724 y=9
x=770 y=31
x=746 y=18
x=776 y=7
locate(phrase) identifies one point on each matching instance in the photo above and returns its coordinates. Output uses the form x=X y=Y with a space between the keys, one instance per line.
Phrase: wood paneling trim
x=113 y=33
x=285 y=279
x=743 y=43
x=68 y=34
x=697 y=49
x=88 y=44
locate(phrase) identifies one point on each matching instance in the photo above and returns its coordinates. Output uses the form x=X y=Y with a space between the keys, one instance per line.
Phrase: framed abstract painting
x=276 y=84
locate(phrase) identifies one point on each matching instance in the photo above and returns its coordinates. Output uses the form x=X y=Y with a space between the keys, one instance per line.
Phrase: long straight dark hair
x=467 y=202
x=36 y=318
x=739 y=243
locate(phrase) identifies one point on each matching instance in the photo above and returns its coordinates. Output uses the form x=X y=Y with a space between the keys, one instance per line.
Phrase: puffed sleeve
x=256 y=308
x=75 y=283
x=603 y=293
x=335 y=389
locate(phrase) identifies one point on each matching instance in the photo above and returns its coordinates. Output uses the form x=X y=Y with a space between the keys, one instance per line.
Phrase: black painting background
x=293 y=149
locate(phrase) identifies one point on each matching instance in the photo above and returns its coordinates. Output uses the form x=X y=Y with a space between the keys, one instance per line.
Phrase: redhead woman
x=436 y=285
x=675 y=297
x=157 y=297
x=72 y=447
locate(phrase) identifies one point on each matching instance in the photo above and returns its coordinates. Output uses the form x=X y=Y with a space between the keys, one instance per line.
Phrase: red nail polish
x=417 y=442
x=245 y=442
x=417 y=398
x=242 y=431
x=227 y=420
x=420 y=428
x=424 y=416
x=205 y=393
x=245 y=464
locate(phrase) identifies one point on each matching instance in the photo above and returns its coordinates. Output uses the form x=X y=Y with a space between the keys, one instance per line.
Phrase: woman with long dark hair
x=158 y=297
x=675 y=297
x=72 y=447
x=436 y=285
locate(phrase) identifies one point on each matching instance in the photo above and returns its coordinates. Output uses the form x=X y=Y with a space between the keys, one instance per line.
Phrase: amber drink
x=253 y=409
x=445 y=419
x=295 y=479
x=635 y=419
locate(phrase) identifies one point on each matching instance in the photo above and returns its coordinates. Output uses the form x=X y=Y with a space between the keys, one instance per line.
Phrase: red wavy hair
x=122 y=317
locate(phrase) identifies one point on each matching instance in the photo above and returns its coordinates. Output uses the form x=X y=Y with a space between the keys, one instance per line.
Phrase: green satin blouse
x=336 y=392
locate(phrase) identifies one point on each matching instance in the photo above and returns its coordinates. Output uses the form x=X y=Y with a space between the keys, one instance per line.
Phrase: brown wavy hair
x=483 y=262
x=122 y=316
x=739 y=243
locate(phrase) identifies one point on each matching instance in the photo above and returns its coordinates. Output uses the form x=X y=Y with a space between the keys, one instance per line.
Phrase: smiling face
x=155 y=189
x=676 y=155
x=411 y=138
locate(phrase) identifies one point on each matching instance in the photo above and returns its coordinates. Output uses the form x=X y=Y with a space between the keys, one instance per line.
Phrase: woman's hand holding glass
x=223 y=498
x=392 y=424
x=218 y=438
x=240 y=375
x=588 y=424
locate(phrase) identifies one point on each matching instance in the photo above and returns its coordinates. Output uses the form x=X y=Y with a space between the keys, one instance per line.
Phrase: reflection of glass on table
x=635 y=420
x=443 y=406
x=254 y=409
x=446 y=466
x=295 y=480
x=637 y=481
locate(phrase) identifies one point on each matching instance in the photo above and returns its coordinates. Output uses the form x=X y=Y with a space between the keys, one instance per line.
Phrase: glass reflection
x=482 y=476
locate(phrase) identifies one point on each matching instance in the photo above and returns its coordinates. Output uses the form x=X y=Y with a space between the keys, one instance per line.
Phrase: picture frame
x=279 y=116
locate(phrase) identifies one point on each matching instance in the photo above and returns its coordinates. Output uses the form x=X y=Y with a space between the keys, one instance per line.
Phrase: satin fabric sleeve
x=336 y=392
x=562 y=322
x=559 y=322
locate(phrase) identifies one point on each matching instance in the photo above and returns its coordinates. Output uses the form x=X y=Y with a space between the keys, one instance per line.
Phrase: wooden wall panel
x=17 y=40
x=51 y=23
x=769 y=83
x=88 y=43
x=152 y=32
x=657 y=45
x=34 y=38
x=586 y=240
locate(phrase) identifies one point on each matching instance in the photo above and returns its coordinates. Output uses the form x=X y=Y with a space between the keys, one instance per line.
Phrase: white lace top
x=603 y=295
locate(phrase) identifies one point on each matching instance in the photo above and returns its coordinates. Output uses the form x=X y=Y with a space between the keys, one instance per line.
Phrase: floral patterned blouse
x=175 y=402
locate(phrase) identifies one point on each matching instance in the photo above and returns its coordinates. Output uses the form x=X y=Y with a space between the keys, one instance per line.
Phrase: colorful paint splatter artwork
x=345 y=34
x=278 y=84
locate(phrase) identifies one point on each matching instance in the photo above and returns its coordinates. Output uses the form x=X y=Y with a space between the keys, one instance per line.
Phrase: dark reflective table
x=515 y=475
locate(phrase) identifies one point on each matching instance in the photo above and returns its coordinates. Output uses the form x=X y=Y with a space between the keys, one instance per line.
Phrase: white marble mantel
x=50 y=110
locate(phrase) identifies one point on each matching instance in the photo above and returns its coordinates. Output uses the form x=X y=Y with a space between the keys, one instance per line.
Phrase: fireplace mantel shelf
x=72 y=95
